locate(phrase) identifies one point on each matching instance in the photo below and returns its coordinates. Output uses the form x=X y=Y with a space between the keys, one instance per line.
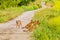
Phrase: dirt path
x=8 y=31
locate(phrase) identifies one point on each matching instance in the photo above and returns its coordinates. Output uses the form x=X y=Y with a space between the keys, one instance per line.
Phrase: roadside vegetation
x=49 y=27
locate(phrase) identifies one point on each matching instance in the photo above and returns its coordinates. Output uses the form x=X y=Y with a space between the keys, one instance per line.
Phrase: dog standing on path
x=18 y=24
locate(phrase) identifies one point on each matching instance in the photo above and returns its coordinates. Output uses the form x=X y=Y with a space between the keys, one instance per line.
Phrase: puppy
x=18 y=23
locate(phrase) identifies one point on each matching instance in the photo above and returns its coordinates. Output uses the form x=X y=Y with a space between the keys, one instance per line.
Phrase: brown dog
x=32 y=25
x=18 y=24
x=28 y=25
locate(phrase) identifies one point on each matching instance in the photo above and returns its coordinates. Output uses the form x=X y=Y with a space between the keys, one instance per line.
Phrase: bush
x=46 y=31
x=14 y=3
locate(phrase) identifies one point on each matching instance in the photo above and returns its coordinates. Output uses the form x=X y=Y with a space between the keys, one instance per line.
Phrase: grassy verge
x=49 y=27
x=11 y=13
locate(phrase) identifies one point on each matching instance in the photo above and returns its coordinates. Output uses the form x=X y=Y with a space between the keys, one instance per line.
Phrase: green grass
x=10 y=13
x=46 y=31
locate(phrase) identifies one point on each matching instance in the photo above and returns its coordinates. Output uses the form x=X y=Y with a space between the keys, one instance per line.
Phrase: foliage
x=25 y=2
x=36 y=2
x=28 y=8
x=8 y=3
x=56 y=5
x=46 y=31
x=54 y=21
x=13 y=3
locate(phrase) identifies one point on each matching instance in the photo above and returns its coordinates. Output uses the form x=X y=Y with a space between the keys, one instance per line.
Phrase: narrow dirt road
x=8 y=31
